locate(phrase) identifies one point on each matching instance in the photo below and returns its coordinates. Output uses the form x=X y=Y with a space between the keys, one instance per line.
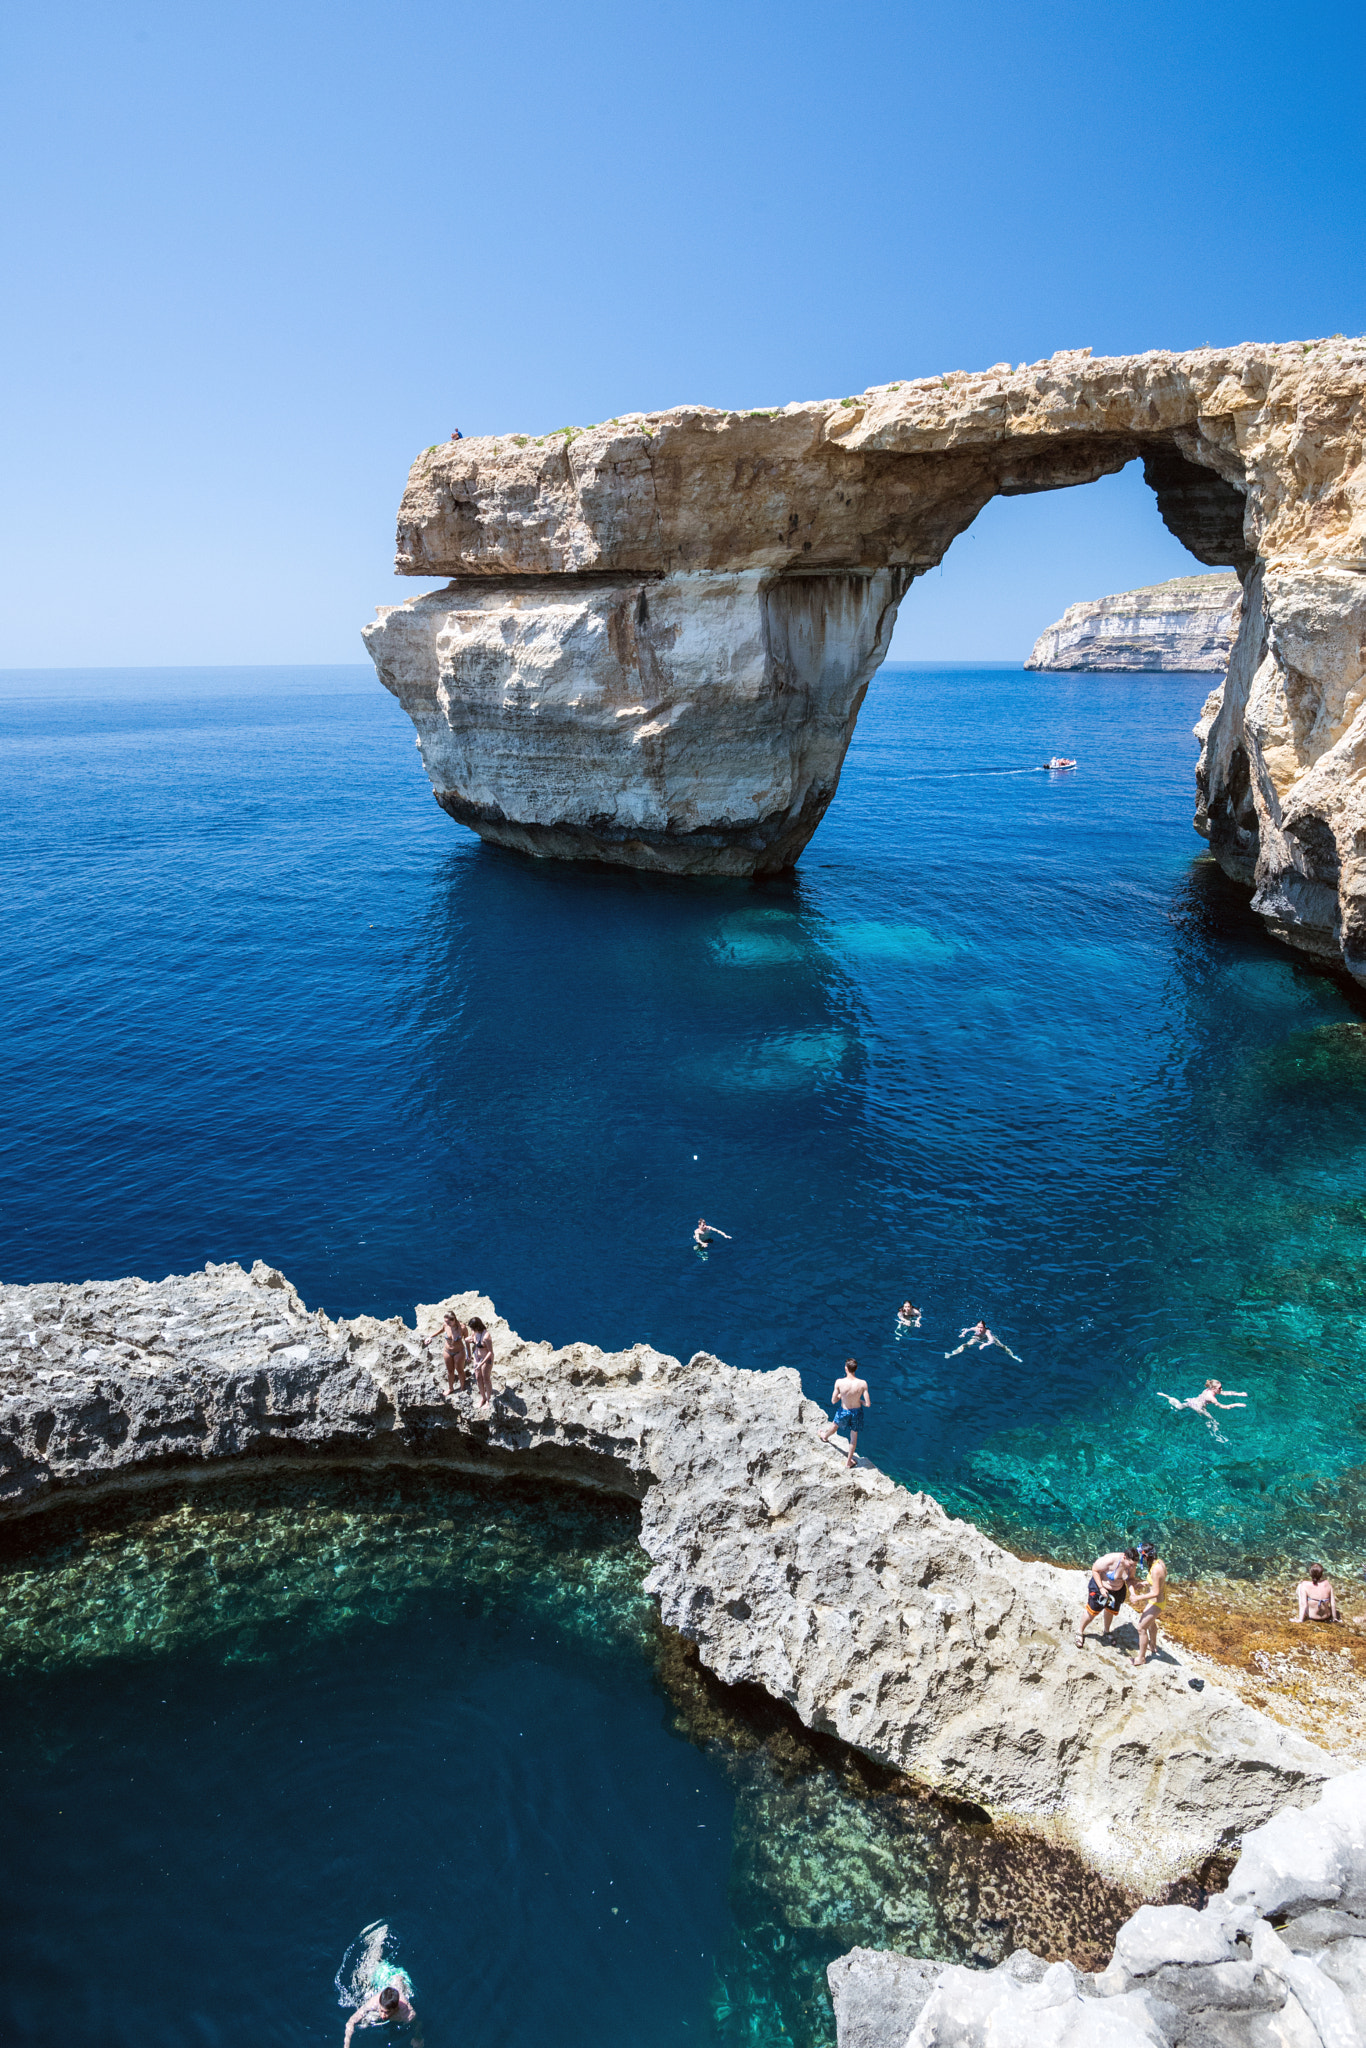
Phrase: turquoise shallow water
x=1007 y=1042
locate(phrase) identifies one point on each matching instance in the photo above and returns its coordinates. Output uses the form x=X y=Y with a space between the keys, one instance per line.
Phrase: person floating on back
x=850 y=1399
x=979 y=1334
x=1107 y=1589
x=1318 y=1601
x=456 y=1349
x=705 y=1232
x=1152 y=1594
x=482 y=1360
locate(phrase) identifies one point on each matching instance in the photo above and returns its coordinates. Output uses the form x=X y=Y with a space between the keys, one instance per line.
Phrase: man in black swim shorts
x=1107 y=1589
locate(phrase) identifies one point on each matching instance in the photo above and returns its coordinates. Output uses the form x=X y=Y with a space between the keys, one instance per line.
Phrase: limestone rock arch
x=659 y=630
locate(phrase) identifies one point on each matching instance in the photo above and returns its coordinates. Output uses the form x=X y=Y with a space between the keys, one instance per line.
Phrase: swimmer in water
x=908 y=1316
x=705 y=1232
x=389 y=2003
x=1209 y=1398
x=980 y=1335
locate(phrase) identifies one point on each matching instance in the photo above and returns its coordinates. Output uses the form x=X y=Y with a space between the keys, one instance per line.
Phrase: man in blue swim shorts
x=851 y=1403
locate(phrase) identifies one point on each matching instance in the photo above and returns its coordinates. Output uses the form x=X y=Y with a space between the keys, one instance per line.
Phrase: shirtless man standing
x=482 y=1360
x=1111 y=1578
x=456 y=1350
x=1152 y=1593
x=851 y=1402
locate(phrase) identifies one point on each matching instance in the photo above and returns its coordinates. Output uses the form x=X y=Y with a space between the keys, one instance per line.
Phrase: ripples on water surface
x=1008 y=1043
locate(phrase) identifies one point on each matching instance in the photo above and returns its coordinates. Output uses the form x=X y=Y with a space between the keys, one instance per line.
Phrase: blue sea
x=1007 y=1043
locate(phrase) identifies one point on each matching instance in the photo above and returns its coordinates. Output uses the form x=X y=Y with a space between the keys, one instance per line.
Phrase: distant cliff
x=1189 y=623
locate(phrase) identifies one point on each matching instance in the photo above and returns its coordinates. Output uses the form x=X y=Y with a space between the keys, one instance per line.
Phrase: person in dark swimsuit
x=482 y=1360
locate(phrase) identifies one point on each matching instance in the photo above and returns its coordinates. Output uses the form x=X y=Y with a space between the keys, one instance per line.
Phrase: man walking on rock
x=851 y=1400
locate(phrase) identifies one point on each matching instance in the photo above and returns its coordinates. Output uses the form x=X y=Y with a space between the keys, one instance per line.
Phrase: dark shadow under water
x=240 y=1722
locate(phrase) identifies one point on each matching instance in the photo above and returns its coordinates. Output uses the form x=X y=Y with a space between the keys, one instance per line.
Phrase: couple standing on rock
x=466 y=1345
x=1113 y=1578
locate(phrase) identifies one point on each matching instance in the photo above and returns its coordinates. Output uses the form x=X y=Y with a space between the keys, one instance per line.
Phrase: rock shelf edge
x=868 y=1610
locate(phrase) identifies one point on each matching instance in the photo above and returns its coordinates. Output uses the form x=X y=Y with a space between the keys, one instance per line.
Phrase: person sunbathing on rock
x=1107 y=1589
x=979 y=1334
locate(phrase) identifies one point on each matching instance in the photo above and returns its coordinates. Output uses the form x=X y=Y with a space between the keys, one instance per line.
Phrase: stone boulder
x=1276 y=1961
x=659 y=629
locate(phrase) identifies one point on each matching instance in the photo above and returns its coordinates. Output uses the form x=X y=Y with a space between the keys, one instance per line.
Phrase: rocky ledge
x=1276 y=1961
x=1186 y=625
x=864 y=1607
x=660 y=628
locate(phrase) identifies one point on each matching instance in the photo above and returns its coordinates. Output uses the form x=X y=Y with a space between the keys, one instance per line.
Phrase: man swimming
x=1152 y=1593
x=705 y=1232
x=391 y=2002
x=851 y=1402
x=456 y=1352
x=979 y=1334
x=1107 y=1589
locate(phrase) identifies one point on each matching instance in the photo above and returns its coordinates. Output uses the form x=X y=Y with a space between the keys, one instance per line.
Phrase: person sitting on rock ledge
x=456 y=1351
x=851 y=1402
x=1318 y=1601
x=1107 y=1590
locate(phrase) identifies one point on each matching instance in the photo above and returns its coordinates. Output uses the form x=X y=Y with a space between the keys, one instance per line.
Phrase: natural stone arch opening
x=660 y=630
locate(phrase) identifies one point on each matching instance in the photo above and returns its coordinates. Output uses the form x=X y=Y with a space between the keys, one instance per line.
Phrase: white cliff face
x=771 y=550
x=873 y=1614
x=695 y=722
x=1187 y=624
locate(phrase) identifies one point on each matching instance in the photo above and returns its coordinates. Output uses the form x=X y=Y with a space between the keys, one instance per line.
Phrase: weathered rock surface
x=866 y=1608
x=661 y=628
x=1187 y=625
x=1276 y=1961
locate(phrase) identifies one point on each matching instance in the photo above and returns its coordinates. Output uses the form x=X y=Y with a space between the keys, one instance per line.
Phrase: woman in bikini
x=456 y=1349
x=1318 y=1601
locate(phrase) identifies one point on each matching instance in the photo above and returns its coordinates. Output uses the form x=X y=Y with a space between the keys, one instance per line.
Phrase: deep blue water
x=1007 y=1043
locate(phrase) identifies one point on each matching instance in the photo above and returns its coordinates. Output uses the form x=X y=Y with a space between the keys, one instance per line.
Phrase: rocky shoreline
x=863 y=1607
x=1278 y=1960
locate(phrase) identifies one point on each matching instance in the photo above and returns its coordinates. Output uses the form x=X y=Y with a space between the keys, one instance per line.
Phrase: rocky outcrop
x=660 y=628
x=864 y=1607
x=1276 y=1961
x=1186 y=625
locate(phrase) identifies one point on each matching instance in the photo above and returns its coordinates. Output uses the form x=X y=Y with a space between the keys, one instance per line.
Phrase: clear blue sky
x=257 y=256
